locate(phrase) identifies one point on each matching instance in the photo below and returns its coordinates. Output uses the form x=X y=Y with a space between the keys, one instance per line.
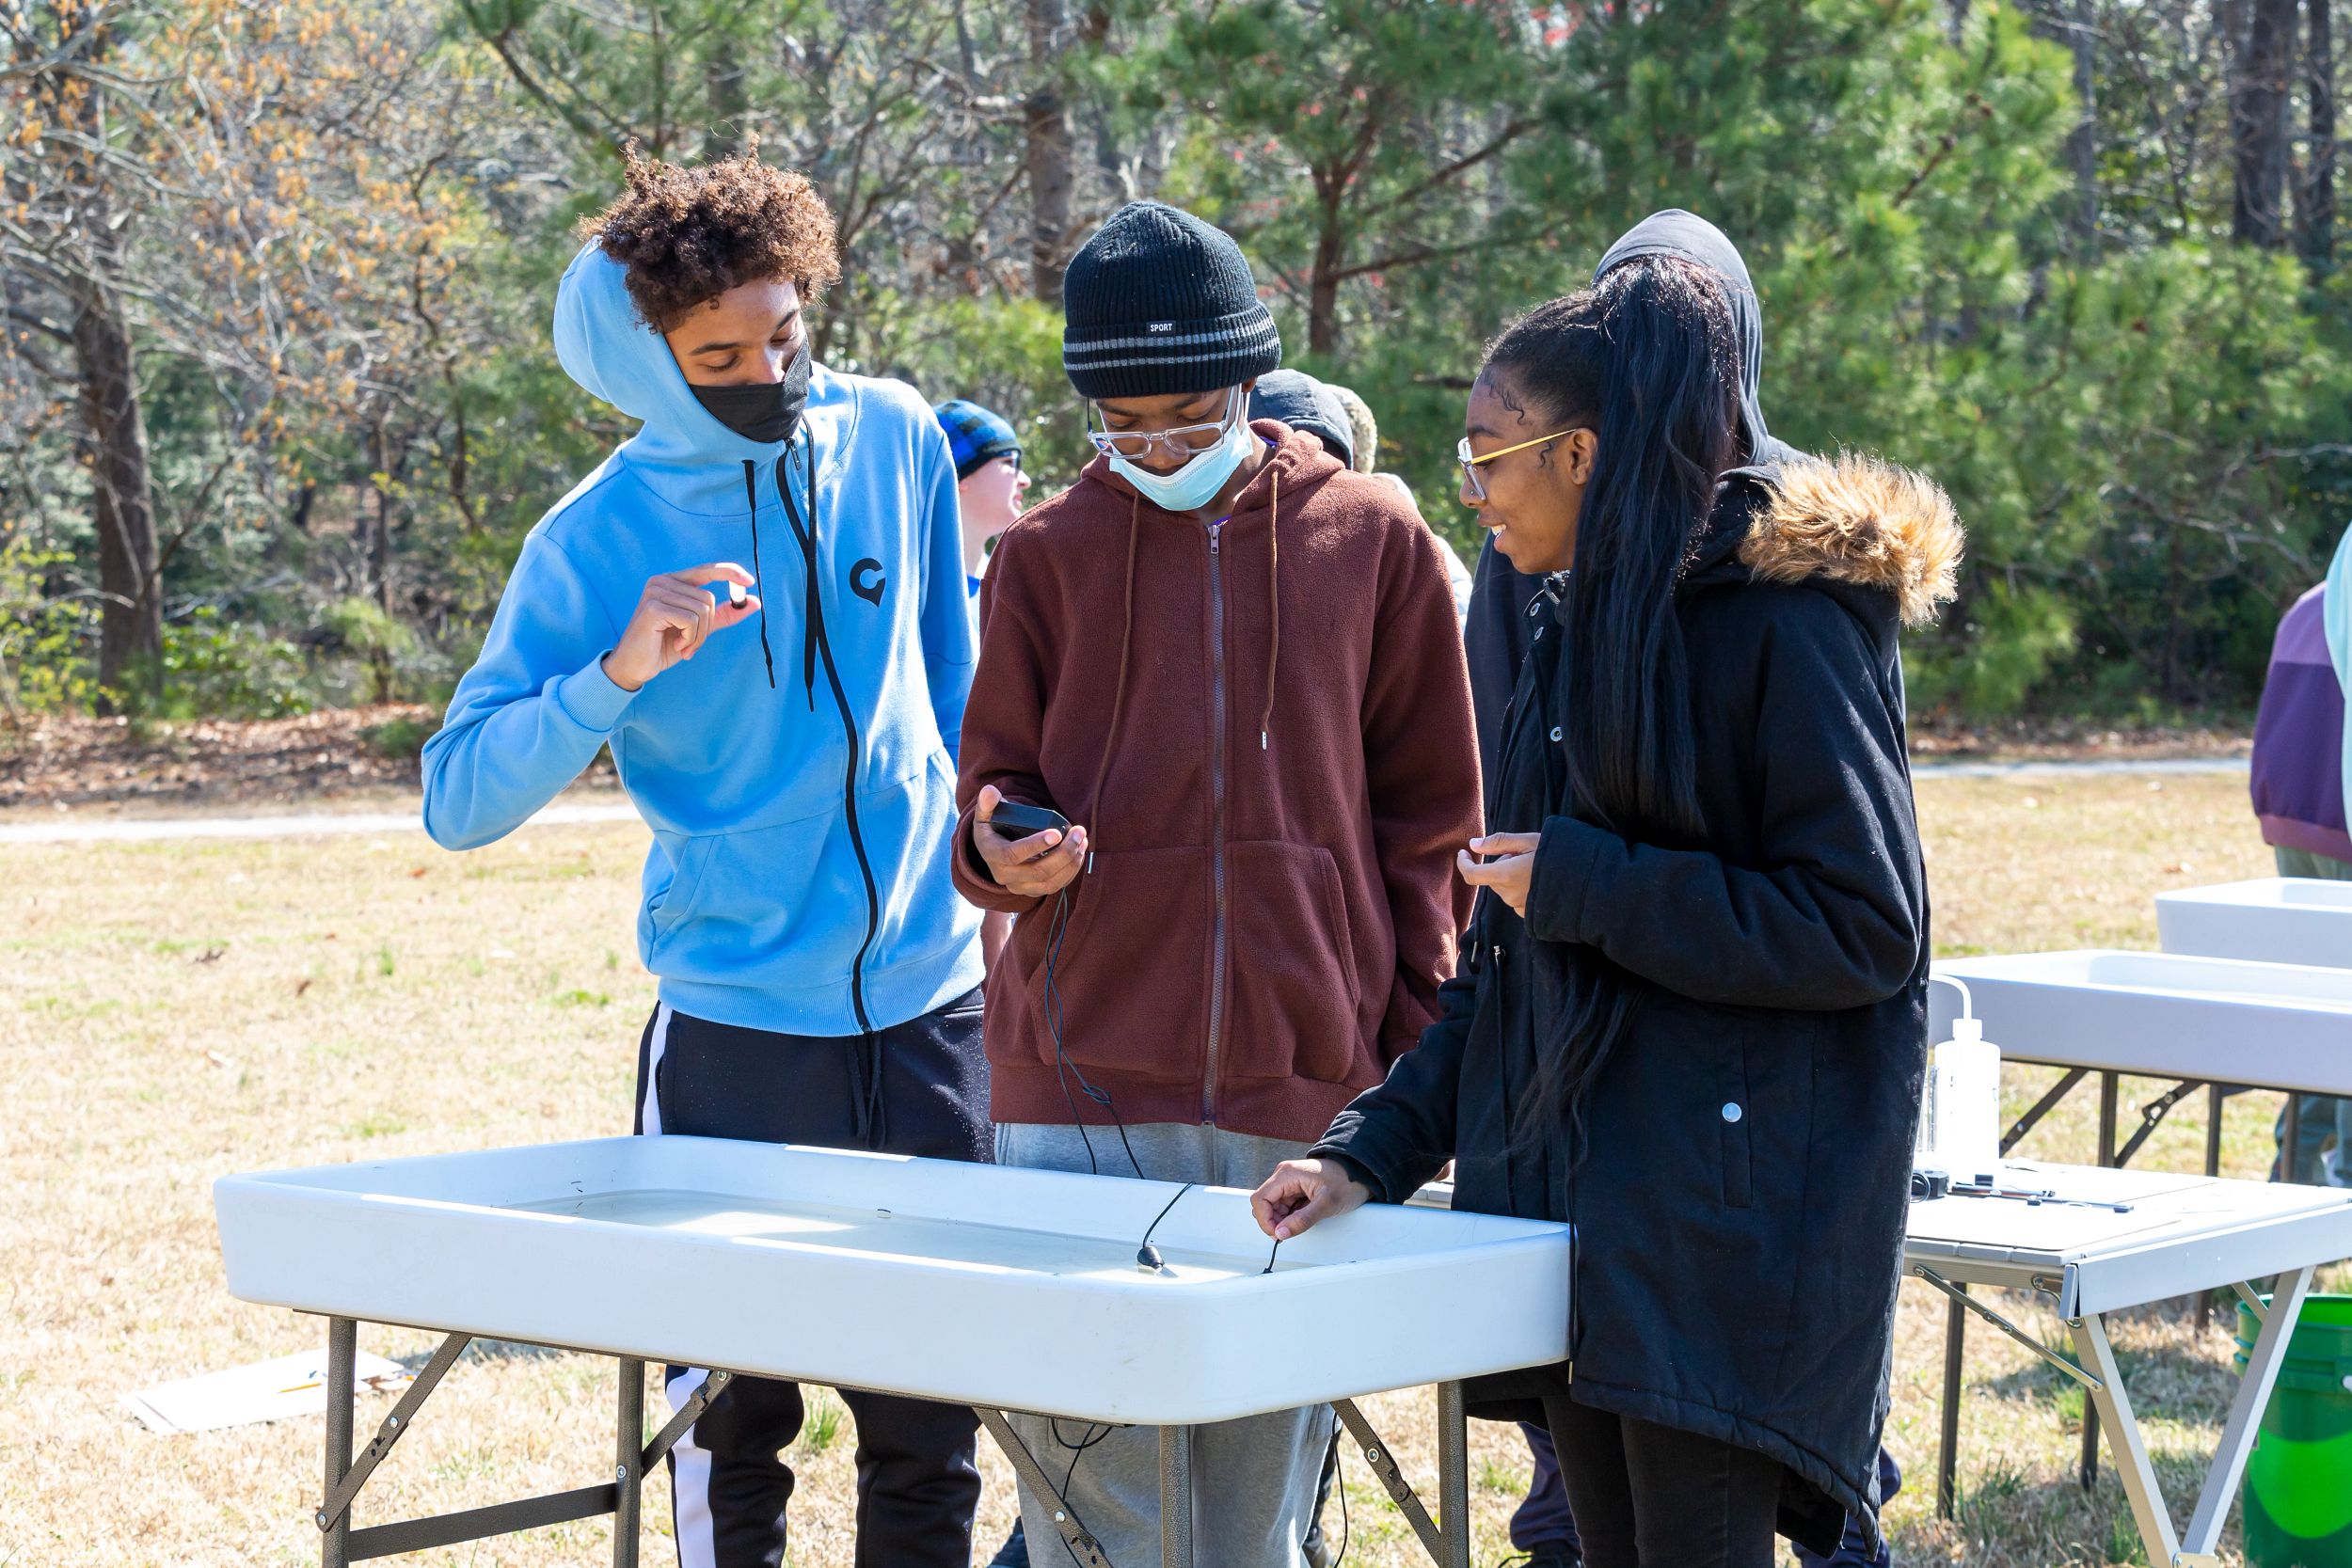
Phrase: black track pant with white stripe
x=918 y=1087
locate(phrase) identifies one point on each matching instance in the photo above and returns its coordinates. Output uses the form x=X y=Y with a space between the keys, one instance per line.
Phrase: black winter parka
x=1739 y=1174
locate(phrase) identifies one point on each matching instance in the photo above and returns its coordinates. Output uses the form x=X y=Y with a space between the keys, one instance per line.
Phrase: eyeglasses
x=1182 y=443
x=1472 y=462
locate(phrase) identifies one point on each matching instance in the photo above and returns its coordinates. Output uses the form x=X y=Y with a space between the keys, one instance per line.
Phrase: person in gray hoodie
x=1495 y=637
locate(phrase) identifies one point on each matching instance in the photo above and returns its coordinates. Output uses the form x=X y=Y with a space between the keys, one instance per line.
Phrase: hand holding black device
x=1018 y=819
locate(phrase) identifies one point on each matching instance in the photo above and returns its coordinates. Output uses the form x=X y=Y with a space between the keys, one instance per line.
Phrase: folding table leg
x=2246 y=1414
x=629 y=1472
x=1947 y=1441
x=2214 y=1099
x=2131 y=1454
x=1453 y=1474
x=1175 y=1497
x=1447 y=1539
x=1075 y=1536
x=342 y=1364
x=2107 y=1159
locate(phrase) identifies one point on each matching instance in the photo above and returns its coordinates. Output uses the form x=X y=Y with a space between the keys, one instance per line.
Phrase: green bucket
x=2299 y=1483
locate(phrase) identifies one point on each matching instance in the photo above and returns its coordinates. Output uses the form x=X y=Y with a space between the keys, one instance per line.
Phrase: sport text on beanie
x=1158 y=303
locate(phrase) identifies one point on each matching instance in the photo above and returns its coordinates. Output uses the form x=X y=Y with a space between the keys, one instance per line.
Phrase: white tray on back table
x=2288 y=920
x=2222 y=1023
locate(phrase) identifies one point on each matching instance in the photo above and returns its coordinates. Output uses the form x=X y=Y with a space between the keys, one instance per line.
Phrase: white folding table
x=2107 y=1240
x=2220 y=1024
x=1001 y=1288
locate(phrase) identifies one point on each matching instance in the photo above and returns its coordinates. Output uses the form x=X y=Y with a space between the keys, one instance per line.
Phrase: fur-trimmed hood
x=1857 y=521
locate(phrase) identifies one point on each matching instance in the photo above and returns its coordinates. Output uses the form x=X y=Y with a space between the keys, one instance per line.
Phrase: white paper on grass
x=265 y=1391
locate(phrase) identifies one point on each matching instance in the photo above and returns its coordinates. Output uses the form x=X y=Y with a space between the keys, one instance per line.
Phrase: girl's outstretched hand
x=1300 y=1192
x=1510 y=873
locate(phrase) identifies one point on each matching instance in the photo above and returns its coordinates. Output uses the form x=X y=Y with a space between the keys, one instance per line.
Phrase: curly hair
x=688 y=235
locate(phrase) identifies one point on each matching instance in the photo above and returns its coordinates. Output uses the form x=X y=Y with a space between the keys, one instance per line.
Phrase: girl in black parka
x=1690 y=1017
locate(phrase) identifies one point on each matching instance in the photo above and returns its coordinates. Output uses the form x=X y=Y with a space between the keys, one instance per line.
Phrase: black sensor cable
x=1064 y=1068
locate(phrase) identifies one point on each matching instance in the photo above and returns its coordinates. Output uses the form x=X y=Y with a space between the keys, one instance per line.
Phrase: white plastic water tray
x=2174 y=1236
x=2288 y=920
x=2227 y=1021
x=979 y=1284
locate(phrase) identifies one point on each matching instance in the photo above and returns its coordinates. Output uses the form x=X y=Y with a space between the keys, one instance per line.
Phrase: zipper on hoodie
x=823 y=647
x=1216 y=818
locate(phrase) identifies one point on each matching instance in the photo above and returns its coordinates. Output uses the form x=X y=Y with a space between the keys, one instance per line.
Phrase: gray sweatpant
x=1253 y=1481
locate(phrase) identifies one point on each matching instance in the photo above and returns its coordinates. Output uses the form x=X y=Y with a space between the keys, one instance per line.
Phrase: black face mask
x=768 y=411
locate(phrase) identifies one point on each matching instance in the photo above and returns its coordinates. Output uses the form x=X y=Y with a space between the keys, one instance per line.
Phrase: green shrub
x=44 y=642
x=396 y=739
x=218 y=668
x=384 y=660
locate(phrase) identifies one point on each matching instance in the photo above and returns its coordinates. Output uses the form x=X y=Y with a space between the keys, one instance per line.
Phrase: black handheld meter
x=1018 y=819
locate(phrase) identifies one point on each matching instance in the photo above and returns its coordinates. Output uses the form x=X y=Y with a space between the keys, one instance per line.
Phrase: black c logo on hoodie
x=871 y=591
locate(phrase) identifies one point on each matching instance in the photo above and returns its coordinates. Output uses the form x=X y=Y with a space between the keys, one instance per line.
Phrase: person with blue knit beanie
x=990 y=486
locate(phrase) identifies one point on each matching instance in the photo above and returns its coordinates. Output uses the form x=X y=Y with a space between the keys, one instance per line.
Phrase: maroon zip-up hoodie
x=1265 y=728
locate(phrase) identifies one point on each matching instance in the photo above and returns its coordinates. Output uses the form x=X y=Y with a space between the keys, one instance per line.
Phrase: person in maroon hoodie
x=1234 y=666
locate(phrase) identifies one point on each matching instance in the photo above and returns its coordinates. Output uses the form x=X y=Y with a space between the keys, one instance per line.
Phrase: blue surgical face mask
x=1194 y=485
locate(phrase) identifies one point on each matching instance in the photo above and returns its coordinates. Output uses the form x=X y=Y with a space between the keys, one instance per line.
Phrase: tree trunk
x=380 y=543
x=2073 y=24
x=1046 y=115
x=1323 y=289
x=131 y=629
x=114 y=428
x=2082 y=143
x=722 y=83
x=2258 y=125
x=2315 y=199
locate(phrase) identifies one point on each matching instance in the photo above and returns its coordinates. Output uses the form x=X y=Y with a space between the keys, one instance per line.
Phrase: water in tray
x=878 y=1232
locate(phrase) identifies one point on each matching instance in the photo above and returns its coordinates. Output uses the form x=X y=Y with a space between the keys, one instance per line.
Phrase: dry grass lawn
x=173 y=1012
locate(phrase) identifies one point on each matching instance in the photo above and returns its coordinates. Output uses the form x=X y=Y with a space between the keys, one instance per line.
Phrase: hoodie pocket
x=1294 y=1008
x=1131 y=973
x=688 y=857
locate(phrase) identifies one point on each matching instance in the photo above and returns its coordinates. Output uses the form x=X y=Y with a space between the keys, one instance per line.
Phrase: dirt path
x=2077 y=766
x=66 y=830
x=353 y=771
x=590 y=804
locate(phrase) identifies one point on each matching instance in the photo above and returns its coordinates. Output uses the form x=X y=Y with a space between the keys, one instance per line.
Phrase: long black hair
x=1648 y=357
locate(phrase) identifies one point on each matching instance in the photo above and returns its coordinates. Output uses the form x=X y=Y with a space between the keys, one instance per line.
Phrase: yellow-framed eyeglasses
x=1471 y=461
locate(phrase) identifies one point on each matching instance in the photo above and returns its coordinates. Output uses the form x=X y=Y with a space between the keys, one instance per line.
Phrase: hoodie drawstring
x=1127 y=635
x=759 y=586
x=1273 y=604
x=1118 y=689
x=807 y=536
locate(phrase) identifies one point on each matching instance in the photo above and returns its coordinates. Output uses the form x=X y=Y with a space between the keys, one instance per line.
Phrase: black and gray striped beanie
x=1159 y=303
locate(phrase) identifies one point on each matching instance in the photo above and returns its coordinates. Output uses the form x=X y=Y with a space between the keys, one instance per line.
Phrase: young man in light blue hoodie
x=792 y=742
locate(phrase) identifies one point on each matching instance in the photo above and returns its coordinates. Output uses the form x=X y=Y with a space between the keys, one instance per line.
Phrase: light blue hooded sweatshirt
x=797 y=879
